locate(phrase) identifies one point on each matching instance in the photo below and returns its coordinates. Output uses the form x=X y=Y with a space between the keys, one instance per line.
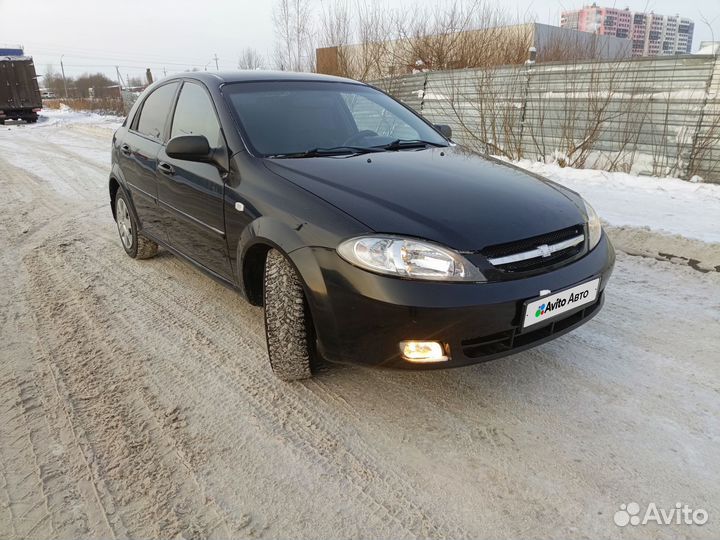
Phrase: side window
x=155 y=111
x=195 y=115
x=369 y=115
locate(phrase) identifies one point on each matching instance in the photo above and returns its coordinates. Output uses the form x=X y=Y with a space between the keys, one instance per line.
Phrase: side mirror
x=189 y=147
x=445 y=130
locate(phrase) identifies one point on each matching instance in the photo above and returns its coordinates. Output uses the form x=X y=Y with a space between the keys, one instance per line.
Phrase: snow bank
x=667 y=205
x=66 y=115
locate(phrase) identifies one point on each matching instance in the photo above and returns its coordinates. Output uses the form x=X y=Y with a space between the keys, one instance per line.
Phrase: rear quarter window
x=155 y=110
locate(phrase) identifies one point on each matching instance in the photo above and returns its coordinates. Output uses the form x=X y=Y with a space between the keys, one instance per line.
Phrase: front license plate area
x=552 y=305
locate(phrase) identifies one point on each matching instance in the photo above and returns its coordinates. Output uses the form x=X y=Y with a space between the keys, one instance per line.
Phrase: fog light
x=422 y=352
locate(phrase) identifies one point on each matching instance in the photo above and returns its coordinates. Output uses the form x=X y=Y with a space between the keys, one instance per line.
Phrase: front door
x=191 y=193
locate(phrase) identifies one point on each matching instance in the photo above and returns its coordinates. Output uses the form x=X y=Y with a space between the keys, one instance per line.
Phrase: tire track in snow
x=306 y=422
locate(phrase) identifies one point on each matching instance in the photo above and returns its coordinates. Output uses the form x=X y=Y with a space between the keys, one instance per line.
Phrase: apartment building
x=651 y=34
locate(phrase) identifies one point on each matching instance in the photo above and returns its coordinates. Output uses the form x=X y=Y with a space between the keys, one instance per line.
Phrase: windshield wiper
x=399 y=144
x=332 y=151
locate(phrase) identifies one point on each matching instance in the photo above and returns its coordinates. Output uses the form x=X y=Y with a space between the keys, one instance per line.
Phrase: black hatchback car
x=365 y=232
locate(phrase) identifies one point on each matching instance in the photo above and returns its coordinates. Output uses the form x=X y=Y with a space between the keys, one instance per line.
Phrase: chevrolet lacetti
x=366 y=233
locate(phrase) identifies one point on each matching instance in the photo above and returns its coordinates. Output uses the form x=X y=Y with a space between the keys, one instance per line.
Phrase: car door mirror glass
x=189 y=148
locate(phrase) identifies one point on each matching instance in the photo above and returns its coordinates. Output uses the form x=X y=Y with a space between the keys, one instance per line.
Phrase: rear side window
x=195 y=115
x=155 y=111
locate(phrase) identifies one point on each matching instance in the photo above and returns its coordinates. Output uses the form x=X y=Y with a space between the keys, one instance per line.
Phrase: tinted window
x=155 y=110
x=195 y=115
x=372 y=116
x=288 y=117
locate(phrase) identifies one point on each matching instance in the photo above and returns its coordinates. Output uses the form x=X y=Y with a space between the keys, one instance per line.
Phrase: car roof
x=223 y=77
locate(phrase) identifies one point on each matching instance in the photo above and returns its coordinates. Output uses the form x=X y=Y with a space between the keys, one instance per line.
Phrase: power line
x=146 y=65
x=131 y=60
x=54 y=48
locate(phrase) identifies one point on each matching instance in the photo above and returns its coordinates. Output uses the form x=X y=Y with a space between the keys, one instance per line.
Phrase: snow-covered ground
x=65 y=115
x=136 y=398
x=668 y=205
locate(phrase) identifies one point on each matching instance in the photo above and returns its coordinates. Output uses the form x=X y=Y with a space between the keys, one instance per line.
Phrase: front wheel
x=288 y=323
x=135 y=245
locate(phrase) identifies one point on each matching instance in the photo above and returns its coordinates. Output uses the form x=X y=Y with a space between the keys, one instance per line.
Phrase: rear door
x=6 y=88
x=191 y=193
x=28 y=92
x=138 y=154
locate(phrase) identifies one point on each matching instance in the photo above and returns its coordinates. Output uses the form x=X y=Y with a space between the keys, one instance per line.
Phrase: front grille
x=528 y=244
x=512 y=339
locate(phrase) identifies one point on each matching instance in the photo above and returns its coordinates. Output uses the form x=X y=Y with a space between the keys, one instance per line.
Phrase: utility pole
x=164 y=72
x=216 y=62
x=117 y=70
x=62 y=68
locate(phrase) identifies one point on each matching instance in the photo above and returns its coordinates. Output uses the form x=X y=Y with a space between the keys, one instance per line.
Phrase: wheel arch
x=256 y=241
x=113 y=187
x=116 y=184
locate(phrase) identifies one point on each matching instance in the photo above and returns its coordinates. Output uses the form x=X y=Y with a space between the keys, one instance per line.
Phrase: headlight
x=408 y=258
x=594 y=225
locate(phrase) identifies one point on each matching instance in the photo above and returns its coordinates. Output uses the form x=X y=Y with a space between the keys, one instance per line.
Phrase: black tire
x=135 y=245
x=288 y=323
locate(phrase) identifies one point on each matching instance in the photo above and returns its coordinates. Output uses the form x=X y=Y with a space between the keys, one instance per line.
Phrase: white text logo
x=680 y=514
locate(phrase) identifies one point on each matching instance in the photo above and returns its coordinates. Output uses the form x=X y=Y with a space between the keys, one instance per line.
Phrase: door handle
x=166 y=168
x=125 y=149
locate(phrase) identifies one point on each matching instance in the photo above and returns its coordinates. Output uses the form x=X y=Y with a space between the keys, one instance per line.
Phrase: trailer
x=19 y=91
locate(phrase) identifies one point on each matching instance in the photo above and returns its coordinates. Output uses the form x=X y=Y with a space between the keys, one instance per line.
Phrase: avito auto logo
x=560 y=302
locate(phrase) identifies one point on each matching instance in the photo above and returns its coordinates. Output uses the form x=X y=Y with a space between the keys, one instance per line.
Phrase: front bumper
x=361 y=317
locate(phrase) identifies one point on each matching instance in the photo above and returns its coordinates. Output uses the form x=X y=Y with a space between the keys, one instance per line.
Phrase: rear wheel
x=288 y=324
x=135 y=245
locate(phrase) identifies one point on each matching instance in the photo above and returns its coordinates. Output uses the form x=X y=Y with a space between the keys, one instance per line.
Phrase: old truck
x=19 y=91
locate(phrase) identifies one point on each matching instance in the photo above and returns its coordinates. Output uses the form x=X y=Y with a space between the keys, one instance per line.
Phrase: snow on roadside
x=66 y=115
x=668 y=205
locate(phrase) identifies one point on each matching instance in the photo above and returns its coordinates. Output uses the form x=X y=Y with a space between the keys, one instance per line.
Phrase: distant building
x=709 y=47
x=650 y=34
x=496 y=46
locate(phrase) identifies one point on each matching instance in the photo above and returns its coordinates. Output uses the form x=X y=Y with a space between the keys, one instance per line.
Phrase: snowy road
x=135 y=399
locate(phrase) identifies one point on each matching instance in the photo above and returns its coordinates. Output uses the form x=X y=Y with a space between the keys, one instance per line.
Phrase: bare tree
x=294 y=49
x=250 y=59
x=335 y=36
x=394 y=42
x=580 y=102
x=94 y=85
x=136 y=82
x=53 y=81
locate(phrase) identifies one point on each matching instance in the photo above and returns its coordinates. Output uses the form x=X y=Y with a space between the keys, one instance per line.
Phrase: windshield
x=291 y=118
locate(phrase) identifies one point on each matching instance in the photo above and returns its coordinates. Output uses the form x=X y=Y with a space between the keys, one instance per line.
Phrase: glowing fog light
x=422 y=351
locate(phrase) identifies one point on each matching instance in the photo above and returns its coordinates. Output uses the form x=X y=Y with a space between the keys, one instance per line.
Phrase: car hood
x=449 y=195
